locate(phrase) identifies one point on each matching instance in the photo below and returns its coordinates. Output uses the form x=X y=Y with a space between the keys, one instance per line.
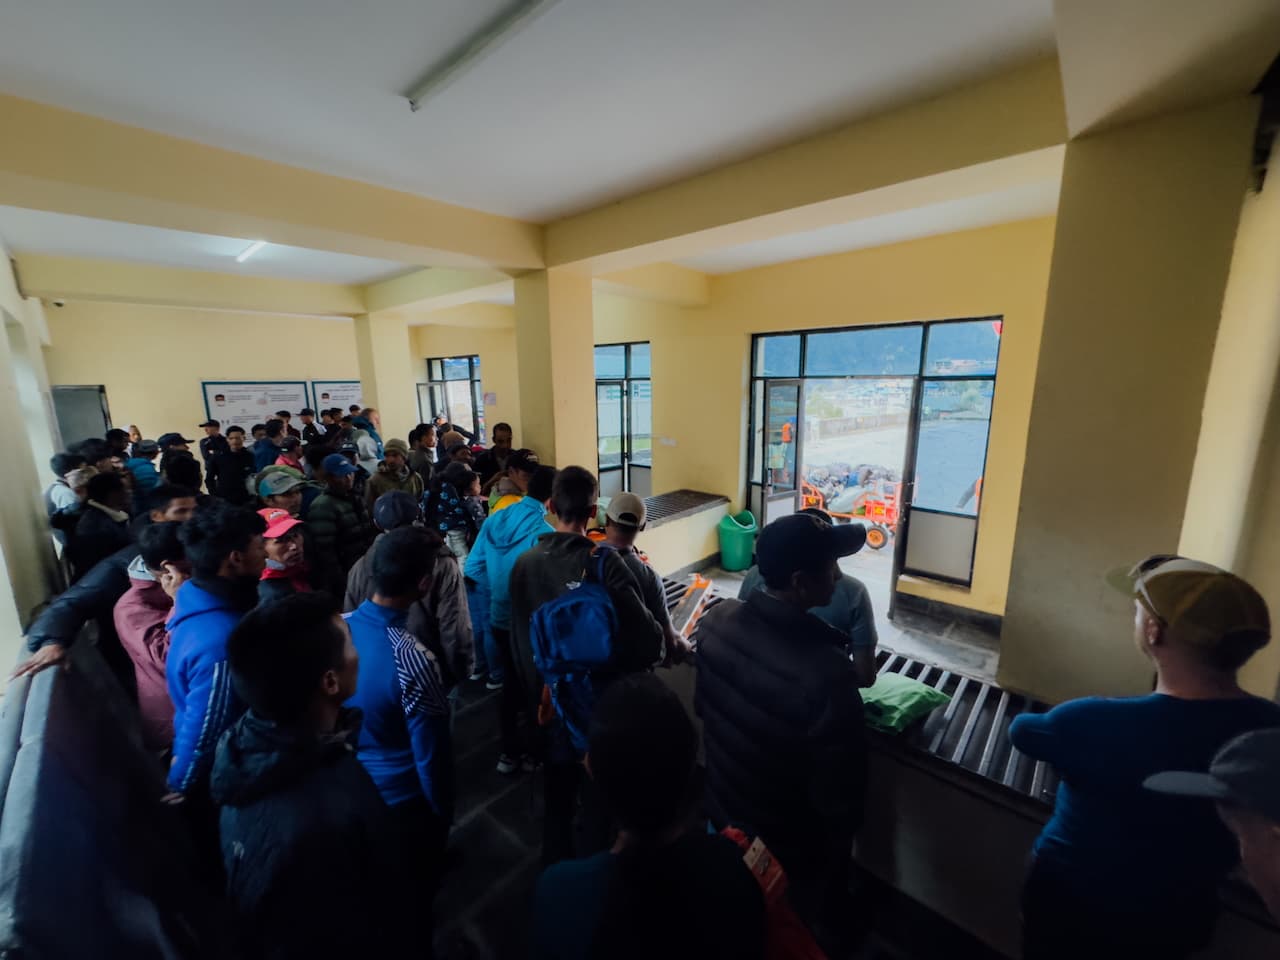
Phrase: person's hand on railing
x=50 y=655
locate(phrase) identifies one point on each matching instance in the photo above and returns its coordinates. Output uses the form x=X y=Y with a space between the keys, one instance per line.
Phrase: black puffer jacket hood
x=257 y=758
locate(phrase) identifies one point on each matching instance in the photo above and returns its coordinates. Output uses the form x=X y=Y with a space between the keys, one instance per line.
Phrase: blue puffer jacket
x=199 y=678
x=144 y=474
x=504 y=536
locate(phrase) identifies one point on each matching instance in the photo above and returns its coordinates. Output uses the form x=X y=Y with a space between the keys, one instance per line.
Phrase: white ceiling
x=58 y=234
x=965 y=213
x=594 y=100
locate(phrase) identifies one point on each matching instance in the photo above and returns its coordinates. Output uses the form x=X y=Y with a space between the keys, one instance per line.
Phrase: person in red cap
x=286 y=570
x=1119 y=870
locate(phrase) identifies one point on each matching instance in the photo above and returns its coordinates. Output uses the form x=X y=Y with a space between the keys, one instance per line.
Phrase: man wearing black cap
x=1118 y=870
x=212 y=445
x=1244 y=780
x=172 y=445
x=783 y=725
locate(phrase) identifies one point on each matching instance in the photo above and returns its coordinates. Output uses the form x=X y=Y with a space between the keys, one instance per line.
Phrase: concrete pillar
x=1146 y=220
x=389 y=371
x=555 y=357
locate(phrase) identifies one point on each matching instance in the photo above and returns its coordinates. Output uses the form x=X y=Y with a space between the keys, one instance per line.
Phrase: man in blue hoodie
x=503 y=538
x=405 y=743
x=225 y=549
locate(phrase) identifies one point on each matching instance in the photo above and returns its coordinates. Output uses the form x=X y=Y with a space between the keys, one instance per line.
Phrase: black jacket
x=92 y=597
x=313 y=432
x=227 y=475
x=97 y=536
x=784 y=733
x=301 y=823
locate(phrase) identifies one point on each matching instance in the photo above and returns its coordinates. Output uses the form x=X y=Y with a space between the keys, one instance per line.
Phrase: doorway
x=81 y=412
x=624 y=419
x=886 y=426
x=453 y=391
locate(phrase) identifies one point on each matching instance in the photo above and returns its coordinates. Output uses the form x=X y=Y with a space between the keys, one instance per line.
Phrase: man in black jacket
x=300 y=817
x=93 y=597
x=231 y=468
x=212 y=444
x=782 y=718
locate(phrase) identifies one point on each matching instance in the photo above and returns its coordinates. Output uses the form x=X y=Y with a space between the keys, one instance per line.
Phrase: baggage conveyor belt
x=971 y=733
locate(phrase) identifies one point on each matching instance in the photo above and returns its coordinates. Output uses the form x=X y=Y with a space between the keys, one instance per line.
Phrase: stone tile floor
x=483 y=910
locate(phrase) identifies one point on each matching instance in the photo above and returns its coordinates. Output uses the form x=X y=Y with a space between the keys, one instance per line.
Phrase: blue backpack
x=571 y=636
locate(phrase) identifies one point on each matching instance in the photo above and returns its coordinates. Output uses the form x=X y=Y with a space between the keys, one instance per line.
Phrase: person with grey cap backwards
x=1244 y=781
x=782 y=718
x=1119 y=870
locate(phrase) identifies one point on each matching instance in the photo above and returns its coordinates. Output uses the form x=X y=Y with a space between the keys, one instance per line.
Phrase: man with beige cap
x=1119 y=870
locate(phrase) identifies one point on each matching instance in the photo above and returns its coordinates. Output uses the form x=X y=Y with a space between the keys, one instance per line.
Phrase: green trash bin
x=737 y=541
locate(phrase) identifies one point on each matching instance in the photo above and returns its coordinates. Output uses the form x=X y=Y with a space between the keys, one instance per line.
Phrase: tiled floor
x=483 y=911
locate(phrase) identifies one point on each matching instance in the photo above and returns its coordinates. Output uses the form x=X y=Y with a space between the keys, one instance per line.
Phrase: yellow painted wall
x=1146 y=220
x=488 y=331
x=152 y=359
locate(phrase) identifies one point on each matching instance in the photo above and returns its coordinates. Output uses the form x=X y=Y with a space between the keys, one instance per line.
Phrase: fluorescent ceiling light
x=250 y=250
x=498 y=30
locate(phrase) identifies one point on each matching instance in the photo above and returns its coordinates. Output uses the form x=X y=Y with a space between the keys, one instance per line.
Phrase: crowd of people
x=294 y=612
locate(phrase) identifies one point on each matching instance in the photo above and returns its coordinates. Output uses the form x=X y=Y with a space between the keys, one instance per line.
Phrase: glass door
x=610 y=431
x=781 y=439
x=638 y=450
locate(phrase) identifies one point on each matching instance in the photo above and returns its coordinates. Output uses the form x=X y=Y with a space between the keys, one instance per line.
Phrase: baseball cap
x=277 y=482
x=336 y=465
x=626 y=509
x=1204 y=602
x=395 y=509
x=211 y=423
x=147 y=446
x=794 y=542
x=399 y=446
x=1245 y=773
x=290 y=443
x=524 y=460
x=169 y=439
x=279 y=522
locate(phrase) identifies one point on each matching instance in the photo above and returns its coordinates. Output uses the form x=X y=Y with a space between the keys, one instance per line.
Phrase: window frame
x=475 y=388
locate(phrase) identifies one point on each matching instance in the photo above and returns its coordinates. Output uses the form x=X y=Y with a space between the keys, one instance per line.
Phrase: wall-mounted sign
x=336 y=393
x=490 y=399
x=246 y=402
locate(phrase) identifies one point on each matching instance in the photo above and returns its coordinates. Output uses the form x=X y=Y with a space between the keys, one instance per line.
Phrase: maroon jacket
x=140 y=617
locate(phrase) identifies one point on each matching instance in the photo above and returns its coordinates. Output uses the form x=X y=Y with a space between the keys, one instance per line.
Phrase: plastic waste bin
x=737 y=540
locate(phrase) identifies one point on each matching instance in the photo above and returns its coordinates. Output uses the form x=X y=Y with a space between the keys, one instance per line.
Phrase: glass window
x=962 y=349
x=641 y=423
x=880 y=351
x=611 y=362
x=783 y=407
x=434 y=370
x=457 y=368
x=639 y=360
x=955 y=417
x=609 y=424
x=778 y=356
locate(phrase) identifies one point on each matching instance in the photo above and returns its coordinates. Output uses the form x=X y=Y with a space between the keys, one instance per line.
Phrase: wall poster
x=336 y=393
x=246 y=402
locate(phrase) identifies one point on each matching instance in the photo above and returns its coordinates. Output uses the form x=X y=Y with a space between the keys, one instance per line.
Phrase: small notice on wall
x=491 y=399
x=246 y=402
x=336 y=393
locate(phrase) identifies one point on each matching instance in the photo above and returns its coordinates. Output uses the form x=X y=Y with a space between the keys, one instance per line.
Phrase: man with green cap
x=393 y=473
x=1119 y=870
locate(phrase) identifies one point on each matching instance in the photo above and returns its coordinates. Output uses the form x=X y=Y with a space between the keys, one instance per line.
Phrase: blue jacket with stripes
x=199 y=678
x=404 y=742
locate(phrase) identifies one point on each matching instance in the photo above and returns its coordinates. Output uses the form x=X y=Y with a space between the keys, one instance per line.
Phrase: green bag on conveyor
x=894 y=702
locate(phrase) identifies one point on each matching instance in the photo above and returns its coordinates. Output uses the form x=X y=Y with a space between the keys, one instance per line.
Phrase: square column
x=1146 y=221
x=389 y=372
x=555 y=344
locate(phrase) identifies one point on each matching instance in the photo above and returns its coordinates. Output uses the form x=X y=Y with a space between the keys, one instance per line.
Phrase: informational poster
x=336 y=393
x=246 y=402
x=491 y=399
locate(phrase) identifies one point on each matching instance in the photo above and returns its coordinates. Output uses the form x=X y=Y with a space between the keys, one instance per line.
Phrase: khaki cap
x=626 y=510
x=1202 y=602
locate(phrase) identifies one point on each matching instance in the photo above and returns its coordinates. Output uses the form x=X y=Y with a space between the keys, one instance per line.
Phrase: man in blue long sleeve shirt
x=1120 y=870
x=404 y=744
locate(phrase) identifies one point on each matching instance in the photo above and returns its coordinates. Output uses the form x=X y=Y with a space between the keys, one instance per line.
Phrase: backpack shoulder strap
x=599 y=556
